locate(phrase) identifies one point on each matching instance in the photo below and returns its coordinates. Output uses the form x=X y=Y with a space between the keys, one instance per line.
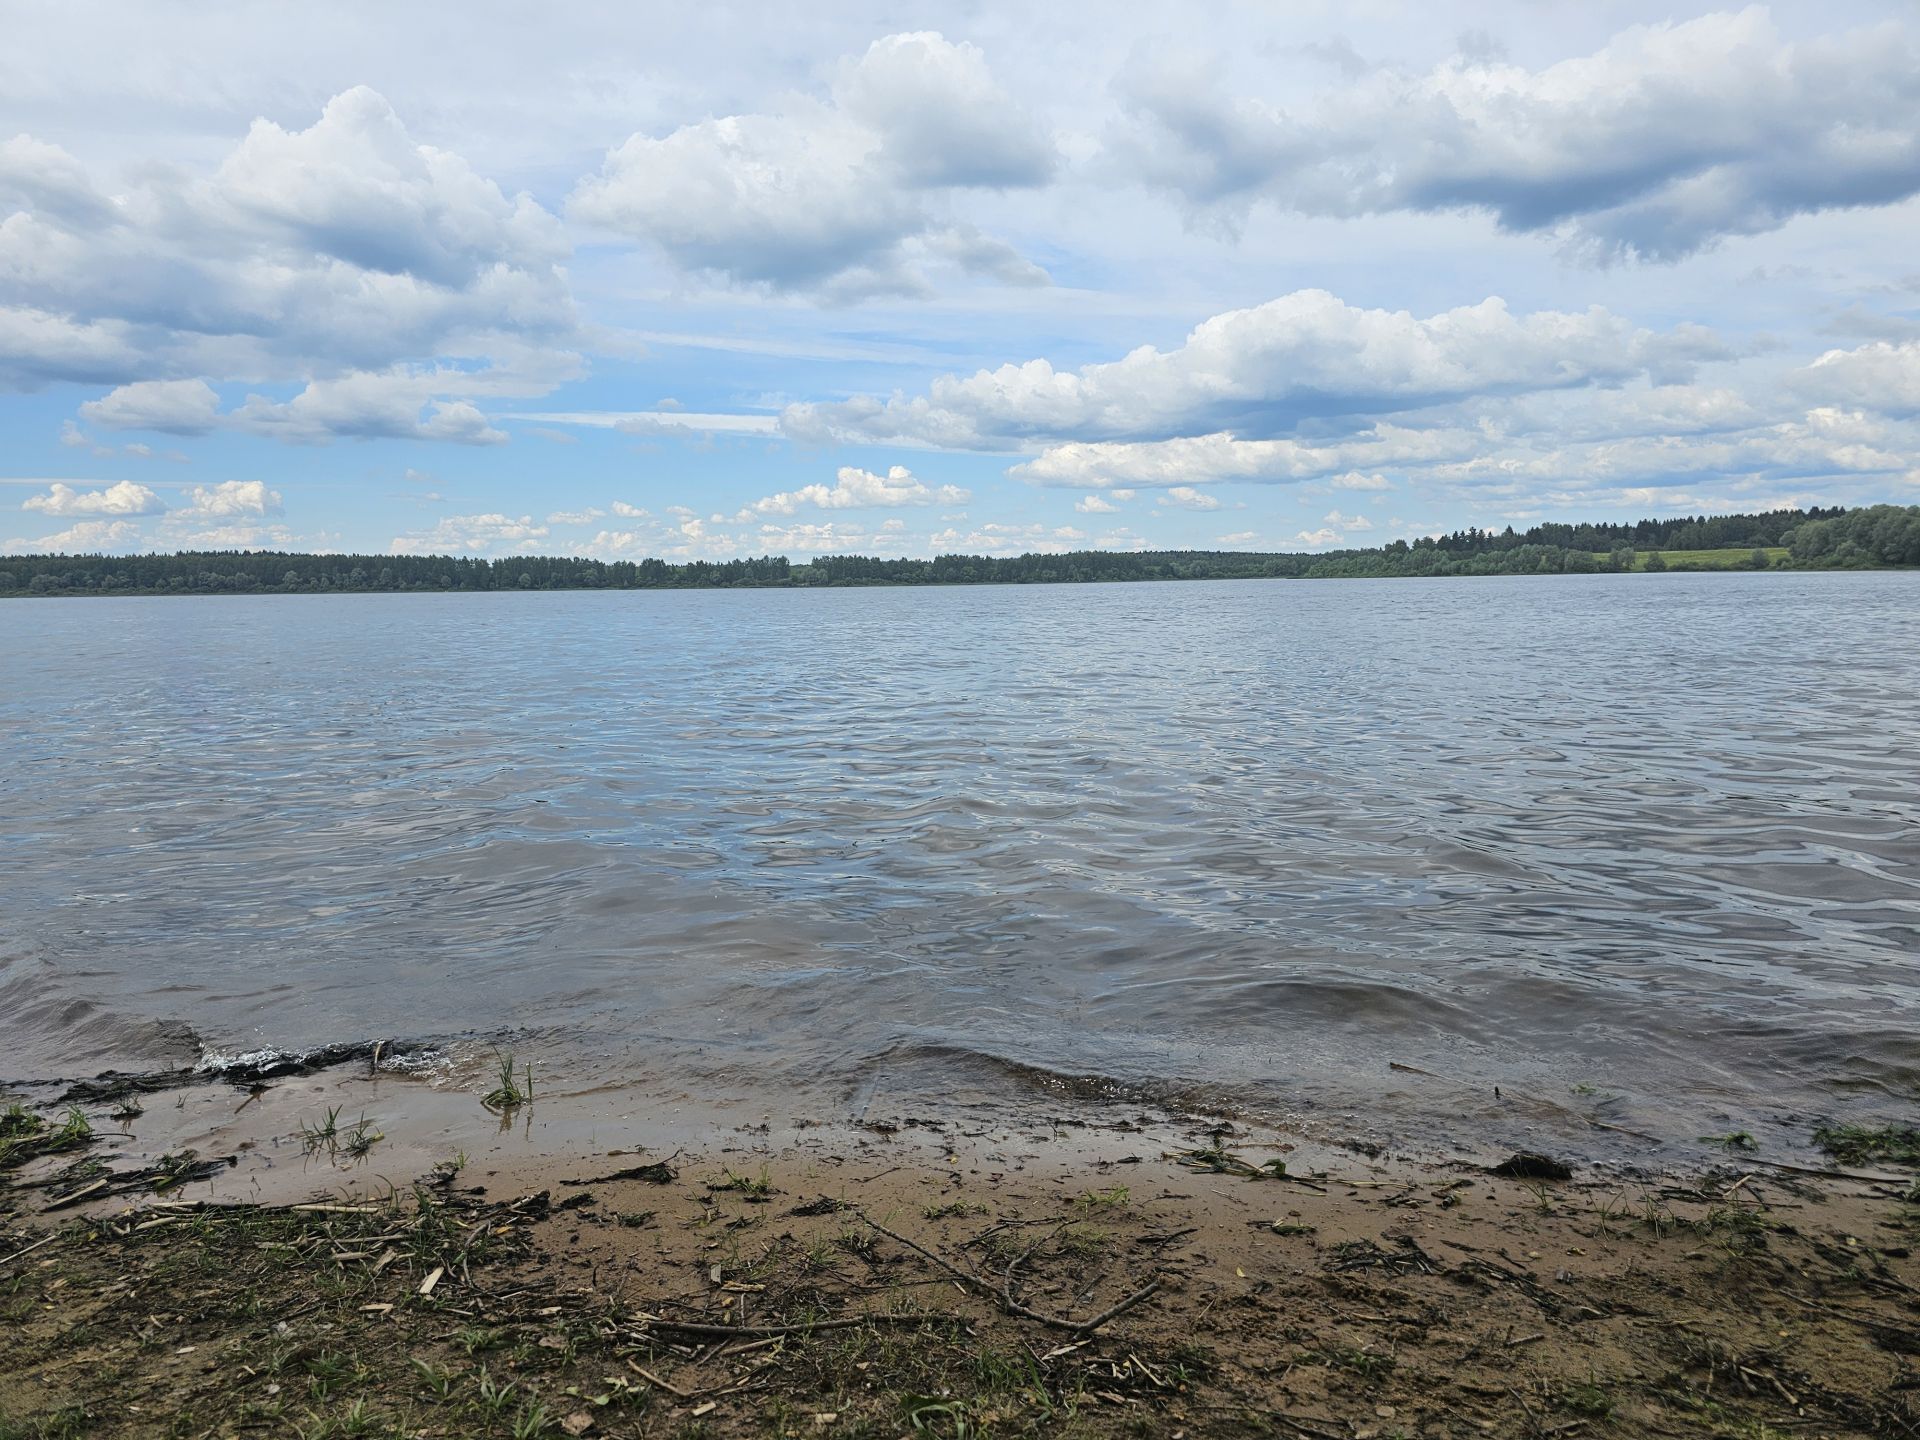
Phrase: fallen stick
x=845 y=1322
x=1005 y=1298
x=967 y=1282
x=1300 y=1427
x=329 y=1209
x=1827 y=1173
x=80 y=1196
x=43 y=1240
x=654 y=1379
x=743 y=1349
x=1087 y=1326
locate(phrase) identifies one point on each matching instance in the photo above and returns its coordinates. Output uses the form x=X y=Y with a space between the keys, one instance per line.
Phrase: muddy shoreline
x=1048 y=1270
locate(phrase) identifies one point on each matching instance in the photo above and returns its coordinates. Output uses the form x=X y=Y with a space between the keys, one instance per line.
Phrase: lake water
x=1643 y=848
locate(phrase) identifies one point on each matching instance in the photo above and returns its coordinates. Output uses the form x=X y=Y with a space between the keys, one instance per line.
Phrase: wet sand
x=1063 y=1271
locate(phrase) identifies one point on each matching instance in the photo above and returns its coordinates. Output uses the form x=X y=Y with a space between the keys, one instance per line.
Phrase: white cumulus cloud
x=857 y=489
x=1188 y=498
x=836 y=194
x=87 y=537
x=1225 y=456
x=123 y=498
x=1881 y=376
x=233 y=497
x=492 y=533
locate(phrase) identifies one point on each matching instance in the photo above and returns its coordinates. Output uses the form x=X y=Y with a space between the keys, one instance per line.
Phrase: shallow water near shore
x=1642 y=850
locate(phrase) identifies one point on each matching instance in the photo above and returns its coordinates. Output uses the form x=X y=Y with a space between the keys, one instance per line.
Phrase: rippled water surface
x=1643 y=845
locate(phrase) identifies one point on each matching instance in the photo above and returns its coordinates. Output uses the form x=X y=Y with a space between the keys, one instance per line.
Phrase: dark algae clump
x=1870 y=1144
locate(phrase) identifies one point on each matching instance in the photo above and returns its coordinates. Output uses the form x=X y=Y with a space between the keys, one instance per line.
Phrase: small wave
x=410 y=1057
x=935 y=1063
x=406 y=1058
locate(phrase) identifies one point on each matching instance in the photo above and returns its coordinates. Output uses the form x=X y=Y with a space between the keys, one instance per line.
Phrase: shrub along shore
x=1882 y=536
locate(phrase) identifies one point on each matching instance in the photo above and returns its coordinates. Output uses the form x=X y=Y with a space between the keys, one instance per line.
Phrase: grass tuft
x=510 y=1090
x=360 y=1139
x=325 y=1135
x=754 y=1190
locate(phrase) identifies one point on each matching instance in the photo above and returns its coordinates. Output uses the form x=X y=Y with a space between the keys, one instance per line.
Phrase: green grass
x=756 y=1190
x=23 y=1134
x=325 y=1135
x=1588 y=1400
x=74 y=1130
x=71 y=1423
x=476 y=1339
x=1095 y=1201
x=951 y=1209
x=532 y=1421
x=361 y=1139
x=1084 y=1240
x=438 y=1379
x=511 y=1089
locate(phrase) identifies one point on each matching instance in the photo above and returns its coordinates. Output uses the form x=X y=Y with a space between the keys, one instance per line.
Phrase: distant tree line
x=1818 y=538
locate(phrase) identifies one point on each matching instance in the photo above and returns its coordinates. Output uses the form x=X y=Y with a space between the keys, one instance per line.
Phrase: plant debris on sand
x=1870 y=1144
x=933 y=1300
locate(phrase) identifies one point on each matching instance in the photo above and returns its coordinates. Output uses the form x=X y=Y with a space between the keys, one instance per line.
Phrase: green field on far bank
x=1732 y=557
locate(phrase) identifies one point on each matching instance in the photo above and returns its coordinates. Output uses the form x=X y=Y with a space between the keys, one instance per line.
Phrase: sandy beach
x=1063 y=1270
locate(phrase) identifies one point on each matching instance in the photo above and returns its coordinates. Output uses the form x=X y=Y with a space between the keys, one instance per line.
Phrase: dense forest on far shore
x=1880 y=536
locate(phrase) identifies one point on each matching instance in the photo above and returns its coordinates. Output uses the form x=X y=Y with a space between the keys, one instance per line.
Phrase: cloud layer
x=1666 y=139
x=1261 y=371
x=1061 y=234
x=336 y=255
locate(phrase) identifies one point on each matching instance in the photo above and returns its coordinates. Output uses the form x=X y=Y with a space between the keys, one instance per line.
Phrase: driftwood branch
x=1004 y=1298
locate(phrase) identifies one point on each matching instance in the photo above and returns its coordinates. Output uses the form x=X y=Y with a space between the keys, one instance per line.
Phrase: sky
x=915 y=279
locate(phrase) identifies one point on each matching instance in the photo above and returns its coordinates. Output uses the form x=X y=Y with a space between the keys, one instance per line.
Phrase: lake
x=1644 y=849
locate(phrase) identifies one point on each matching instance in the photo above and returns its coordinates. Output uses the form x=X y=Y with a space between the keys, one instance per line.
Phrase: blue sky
x=911 y=279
